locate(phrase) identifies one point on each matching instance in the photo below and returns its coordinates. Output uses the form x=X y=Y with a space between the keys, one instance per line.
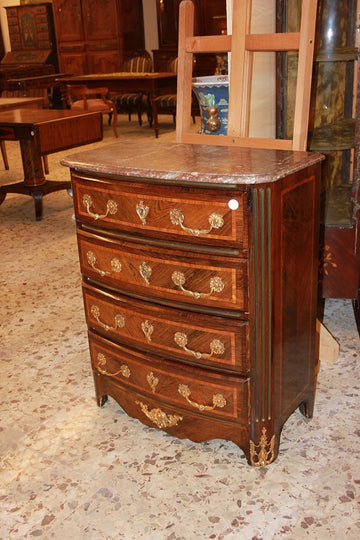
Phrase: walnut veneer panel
x=204 y=327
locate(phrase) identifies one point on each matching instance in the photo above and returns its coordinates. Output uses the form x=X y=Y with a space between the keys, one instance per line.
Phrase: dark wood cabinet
x=210 y=19
x=32 y=35
x=96 y=36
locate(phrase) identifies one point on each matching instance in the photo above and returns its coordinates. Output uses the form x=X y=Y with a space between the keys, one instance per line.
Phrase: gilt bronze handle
x=119 y=319
x=177 y=218
x=216 y=346
x=115 y=265
x=101 y=363
x=111 y=207
x=218 y=399
x=216 y=285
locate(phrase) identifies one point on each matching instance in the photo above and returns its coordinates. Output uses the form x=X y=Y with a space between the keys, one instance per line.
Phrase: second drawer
x=176 y=275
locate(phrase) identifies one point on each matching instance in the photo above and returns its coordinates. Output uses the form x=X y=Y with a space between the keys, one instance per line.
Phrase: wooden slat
x=246 y=142
x=304 y=74
x=273 y=42
x=208 y=44
x=253 y=42
x=185 y=68
x=240 y=71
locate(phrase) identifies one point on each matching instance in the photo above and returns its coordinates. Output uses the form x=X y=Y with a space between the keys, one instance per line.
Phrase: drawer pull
x=216 y=285
x=153 y=381
x=177 y=218
x=218 y=399
x=101 y=363
x=111 y=207
x=159 y=418
x=119 y=319
x=115 y=264
x=148 y=329
x=142 y=211
x=216 y=346
x=145 y=272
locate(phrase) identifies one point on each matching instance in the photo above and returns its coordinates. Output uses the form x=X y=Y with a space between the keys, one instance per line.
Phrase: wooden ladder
x=242 y=44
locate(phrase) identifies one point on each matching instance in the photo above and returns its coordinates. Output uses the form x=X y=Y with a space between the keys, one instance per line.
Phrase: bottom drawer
x=184 y=387
x=179 y=423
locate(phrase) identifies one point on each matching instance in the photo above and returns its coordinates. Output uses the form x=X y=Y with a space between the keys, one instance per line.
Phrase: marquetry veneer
x=199 y=272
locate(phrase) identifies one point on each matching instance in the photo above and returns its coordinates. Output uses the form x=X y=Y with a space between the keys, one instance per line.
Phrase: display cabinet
x=96 y=37
x=210 y=19
x=32 y=35
x=334 y=131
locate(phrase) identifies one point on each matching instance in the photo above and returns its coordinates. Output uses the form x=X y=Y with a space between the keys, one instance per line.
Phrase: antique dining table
x=152 y=84
x=41 y=132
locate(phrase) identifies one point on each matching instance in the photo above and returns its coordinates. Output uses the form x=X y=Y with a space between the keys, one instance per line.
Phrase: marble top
x=191 y=163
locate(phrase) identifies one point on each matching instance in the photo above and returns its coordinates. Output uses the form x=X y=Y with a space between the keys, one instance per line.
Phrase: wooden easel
x=242 y=44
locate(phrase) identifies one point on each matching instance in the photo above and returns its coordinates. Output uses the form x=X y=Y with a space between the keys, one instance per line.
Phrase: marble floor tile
x=69 y=469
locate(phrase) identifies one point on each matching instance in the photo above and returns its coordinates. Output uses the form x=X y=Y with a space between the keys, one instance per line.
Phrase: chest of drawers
x=199 y=273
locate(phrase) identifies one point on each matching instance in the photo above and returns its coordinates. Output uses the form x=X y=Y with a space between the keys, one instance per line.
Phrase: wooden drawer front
x=174 y=275
x=195 y=215
x=184 y=387
x=192 y=337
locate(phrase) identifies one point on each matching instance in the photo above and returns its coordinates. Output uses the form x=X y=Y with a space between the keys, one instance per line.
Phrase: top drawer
x=169 y=212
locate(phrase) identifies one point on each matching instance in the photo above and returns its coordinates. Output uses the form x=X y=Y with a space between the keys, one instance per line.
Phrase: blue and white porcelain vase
x=212 y=93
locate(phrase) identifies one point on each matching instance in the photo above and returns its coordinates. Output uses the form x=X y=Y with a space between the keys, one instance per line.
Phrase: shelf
x=343 y=54
x=339 y=135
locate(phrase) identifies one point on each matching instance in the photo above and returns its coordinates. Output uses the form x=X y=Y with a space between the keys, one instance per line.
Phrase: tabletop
x=11 y=102
x=120 y=75
x=191 y=163
x=38 y=116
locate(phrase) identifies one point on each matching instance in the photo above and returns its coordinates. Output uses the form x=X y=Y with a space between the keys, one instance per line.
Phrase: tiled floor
x=72 y=470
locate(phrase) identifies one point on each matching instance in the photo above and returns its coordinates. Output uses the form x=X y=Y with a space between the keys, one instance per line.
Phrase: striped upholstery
x=166 y=104
x=139 y=62
x=166 y=101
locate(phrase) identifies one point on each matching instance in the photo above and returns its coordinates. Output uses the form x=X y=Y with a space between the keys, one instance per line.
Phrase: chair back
x=82 y=98
x=139 y=62
x=75 y=92
x=173 y=65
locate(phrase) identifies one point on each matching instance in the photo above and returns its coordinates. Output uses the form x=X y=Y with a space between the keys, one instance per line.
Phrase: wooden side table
x=43 y=132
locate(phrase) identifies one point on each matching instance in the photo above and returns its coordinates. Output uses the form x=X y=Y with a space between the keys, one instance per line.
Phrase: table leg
x=155 y=118
x=35 y=183
x=31 y=159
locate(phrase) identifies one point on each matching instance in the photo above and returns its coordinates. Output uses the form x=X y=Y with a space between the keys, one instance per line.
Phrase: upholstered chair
x=82 y=98
x=166 y=104
x=135 y=102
